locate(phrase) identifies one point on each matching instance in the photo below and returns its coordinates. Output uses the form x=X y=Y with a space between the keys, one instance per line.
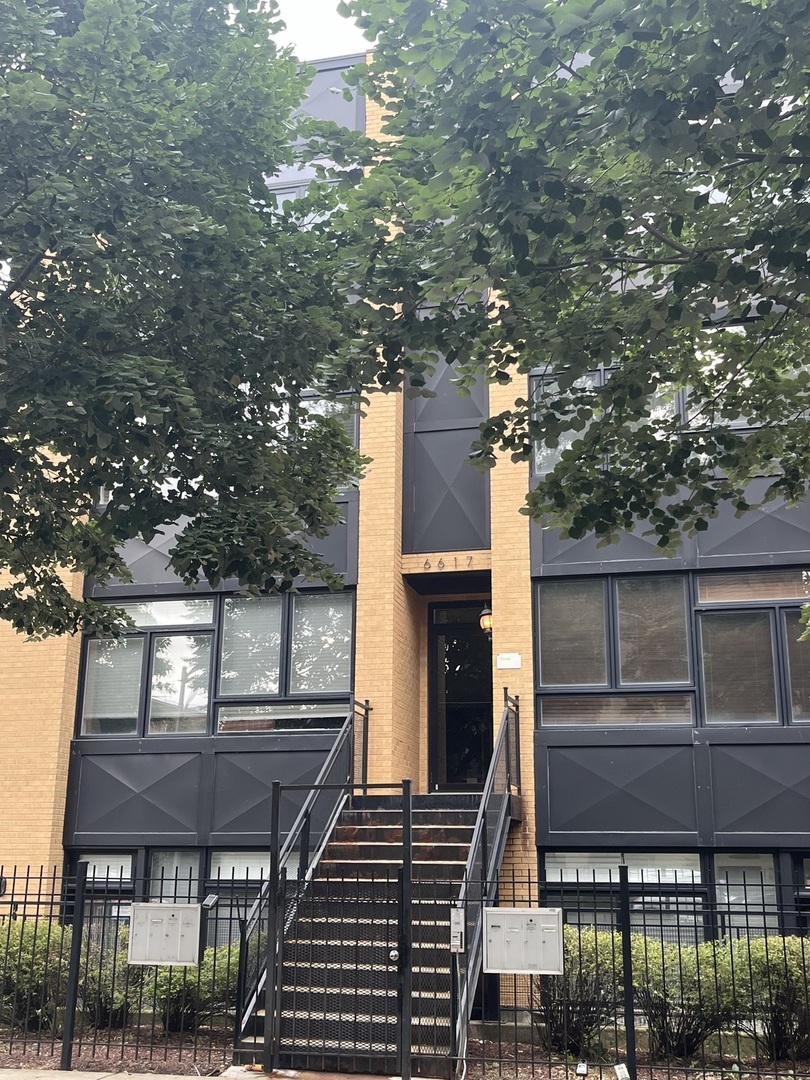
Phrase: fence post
x=72 y=991
x=366 y=712
x=270 y=990
x=406 y=894
x=627 y=968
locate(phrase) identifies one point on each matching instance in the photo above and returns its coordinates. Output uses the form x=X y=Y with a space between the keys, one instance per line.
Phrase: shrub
x=35 y=957
x=109 y=985
x=684 y=992
x=571 y=1009
x=771 y=979
x=187 y=998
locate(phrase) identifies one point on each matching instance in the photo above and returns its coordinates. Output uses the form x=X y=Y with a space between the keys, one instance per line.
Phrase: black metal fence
x=669 y=978
x=69 y=996
x=666 y=977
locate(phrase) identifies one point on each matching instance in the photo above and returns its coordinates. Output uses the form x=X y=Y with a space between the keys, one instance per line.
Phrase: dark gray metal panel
x=553 y=555
x=717 y=787
x=761 y=791
x=339 y=546
x=153 y=576
x=241 y=794
x=446 y=499
x=154 y=795
x=620 y=790
x=184 y=792
x=772 y=534
x=448 y=406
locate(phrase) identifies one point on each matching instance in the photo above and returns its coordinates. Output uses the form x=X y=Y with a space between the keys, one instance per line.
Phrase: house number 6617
x=442 y=565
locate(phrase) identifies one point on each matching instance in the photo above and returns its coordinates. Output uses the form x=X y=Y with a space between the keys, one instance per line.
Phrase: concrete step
x=390 y=833
x=382 y=870
x=362 y=851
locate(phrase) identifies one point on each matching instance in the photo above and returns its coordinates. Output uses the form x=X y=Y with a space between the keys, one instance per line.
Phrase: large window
x=226 y=664
x=673 y=649
x=578 y=406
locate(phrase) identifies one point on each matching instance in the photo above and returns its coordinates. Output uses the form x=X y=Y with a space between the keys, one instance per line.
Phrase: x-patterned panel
x=761 y=788
x=551 y=549
x=621 y=789
x=450 y=510
x=153 y=794
x=448 y=404
x=771 y=529
x=242 y=790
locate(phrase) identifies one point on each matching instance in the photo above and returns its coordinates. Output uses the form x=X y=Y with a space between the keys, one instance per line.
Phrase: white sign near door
x=508 y=660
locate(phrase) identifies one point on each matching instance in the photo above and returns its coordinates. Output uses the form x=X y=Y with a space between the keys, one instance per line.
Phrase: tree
x=615 y=196
x=160 y=314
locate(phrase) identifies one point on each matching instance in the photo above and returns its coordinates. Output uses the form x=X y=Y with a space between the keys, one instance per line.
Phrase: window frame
x=696 y=687
x=614 y=684
x=599 y=375
x=217 y=699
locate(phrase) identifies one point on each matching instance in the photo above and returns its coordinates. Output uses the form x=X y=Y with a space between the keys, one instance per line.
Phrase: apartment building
x=663 y=700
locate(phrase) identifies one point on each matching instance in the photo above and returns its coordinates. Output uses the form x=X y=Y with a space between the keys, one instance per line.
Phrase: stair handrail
x=249 y=984
x=484 y=861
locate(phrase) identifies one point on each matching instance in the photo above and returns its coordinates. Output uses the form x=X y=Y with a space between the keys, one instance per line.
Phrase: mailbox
x=523 y=941
x=165 y=934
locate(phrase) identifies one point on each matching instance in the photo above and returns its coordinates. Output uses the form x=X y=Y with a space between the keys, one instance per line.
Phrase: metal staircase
x=362 y=977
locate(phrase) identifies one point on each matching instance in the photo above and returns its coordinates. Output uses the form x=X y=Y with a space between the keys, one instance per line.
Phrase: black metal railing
x=293 y=861
x=69 y=997
x=486 y=854
x=665 y=974
x=669 y=975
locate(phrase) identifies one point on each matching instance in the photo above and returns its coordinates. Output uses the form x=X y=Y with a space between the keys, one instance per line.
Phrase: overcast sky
x=317 y=31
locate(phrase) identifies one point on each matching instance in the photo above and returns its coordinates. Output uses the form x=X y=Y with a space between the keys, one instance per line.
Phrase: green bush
x=108 y=986
x=35 y=957
x=773 y=998
x=187 y=998
x=571 y=1009
x=684 y=992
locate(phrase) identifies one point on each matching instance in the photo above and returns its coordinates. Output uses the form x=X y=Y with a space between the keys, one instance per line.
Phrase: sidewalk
x=234 y=1072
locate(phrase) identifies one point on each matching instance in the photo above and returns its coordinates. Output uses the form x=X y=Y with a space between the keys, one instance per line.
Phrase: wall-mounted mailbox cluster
x=523 y=941
x=165 y=934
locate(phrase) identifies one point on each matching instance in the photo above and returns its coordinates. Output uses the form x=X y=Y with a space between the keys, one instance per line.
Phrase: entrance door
x=460 y=706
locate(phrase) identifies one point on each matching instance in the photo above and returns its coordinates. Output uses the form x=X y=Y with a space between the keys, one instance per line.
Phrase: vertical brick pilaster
x=512 y=614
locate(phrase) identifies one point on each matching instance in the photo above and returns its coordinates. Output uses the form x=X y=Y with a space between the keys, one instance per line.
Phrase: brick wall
x=38 y=686
x=512 y=618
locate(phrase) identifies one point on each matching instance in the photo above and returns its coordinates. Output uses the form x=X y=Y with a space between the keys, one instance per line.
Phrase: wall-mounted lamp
x=485 y=622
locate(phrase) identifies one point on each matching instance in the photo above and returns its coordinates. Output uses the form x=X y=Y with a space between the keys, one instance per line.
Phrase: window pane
x=251 y=646
x=738 y=668
x=664 y=868
x=239 y=865
x=799 y=660
x=174 y=876
x=580 y=411
x=746 y=894
x=344 y=410
x=763 y=585
x=617 y=709
x=180 y=676
x=652 y=630
x=170 y=613
x=107 y=866
x=112 y=686
x=572 y=633
x=321 y=643
x=236 y=718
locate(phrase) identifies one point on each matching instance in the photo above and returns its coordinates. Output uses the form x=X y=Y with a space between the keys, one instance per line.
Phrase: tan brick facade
x=391 y=659
x=38 y=695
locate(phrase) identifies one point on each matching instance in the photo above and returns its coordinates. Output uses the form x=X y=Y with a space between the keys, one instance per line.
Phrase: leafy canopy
x=592 y=186
x=160 y=315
